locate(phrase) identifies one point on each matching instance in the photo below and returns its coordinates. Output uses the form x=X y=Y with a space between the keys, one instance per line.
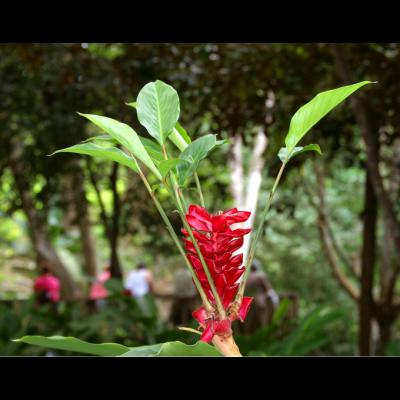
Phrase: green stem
x=260 y=227
x=183 y=328
x=197 y=180
x=185 y=207
x=175 y=238
x=178 y=196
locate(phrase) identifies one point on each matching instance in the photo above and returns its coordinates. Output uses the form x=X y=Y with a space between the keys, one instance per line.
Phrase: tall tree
x=37 y=227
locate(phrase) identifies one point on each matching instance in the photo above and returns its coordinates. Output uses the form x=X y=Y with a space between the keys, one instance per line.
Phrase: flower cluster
x=217 y=243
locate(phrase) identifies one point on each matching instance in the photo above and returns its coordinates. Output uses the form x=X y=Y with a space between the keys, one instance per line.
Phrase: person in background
x=98 y=292
x=46 y=286
x=265 y=299
x=140 y=284
x=139 y=281
x=185 y=298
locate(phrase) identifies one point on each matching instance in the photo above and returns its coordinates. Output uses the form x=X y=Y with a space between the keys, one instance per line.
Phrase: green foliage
x=194 y=153
x=75 y=345
x=153 y=149
x=46 y=84
x=103 y=153
x=169 y=349
x=309 y=114
x=101 y=139
x=306 y=336
x=126 y=136
x=285 y=155
x=122 y=319
x=180 y=137
x=158 y=109
x=114 y=349
x=166 y=165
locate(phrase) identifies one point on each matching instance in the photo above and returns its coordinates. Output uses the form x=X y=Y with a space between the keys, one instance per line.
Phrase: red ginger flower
x=217 y=243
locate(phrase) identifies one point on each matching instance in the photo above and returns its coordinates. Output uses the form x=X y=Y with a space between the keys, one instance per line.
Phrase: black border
x=283 y=375
x=167 y=22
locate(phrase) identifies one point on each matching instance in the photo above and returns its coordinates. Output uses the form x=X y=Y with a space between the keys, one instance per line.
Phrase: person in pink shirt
x=98 y=292
x=47 y=286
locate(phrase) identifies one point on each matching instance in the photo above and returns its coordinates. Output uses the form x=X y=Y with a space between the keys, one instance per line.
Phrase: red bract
x=217 y=242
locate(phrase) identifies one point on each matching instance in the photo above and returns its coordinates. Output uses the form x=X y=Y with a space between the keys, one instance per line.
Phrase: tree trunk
x=247 y=199
x=385 y=334
x=254 y=184
x=37 y=228
x=367 y=267
x=115 y=264
x=83 y=221
x=369 y=137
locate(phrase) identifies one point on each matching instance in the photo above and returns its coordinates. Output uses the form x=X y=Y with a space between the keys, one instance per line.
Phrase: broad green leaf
x=143 y=351
x=104 y=153
x=194 y=153
x=101 y=138
x=285 y=155
x=126 y=136
x=115 y=349
x=74 y=344
x=158 y=109
x=171 y=349
x=198 y=349
x=166 y=165
x=153 y=149
x=309 y=114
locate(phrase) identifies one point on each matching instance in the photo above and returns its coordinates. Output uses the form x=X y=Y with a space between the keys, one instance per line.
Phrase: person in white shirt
x=139 y=281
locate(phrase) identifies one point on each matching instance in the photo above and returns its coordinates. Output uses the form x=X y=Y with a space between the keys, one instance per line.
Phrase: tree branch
x=327 y=242
x=371 y=141
x=322 y=214
x=103 y=213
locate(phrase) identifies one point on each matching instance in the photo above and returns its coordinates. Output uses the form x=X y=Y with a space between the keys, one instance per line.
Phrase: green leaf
x=143 y=351
x=153 y=149
x=170 y=349
x=104 y=153
x=179 y=137
x=101 y=138
x=182 y=131
x=126 y=136
x=166 y=165
x=194 y=153
x=285 y=155
x=309 y=114
x=74 y=344
x=115 y=349
x=158 y=109
x=133 y=104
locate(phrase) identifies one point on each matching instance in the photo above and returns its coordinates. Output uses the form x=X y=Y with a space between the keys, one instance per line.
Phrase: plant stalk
x=197 y=180
x=178 y=198
x=227 y=346
x=175 y=238
x=260 y=227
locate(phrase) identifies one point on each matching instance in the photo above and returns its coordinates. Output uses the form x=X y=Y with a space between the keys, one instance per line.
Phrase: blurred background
x=328 y=261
